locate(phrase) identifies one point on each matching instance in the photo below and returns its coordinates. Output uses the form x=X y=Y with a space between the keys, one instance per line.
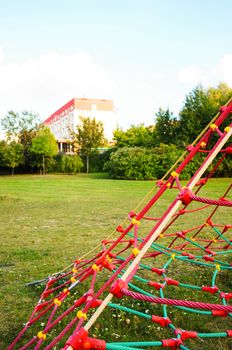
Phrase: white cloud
x=192 y=75
x=210 y=76
x=45 y=83
x=225 y=69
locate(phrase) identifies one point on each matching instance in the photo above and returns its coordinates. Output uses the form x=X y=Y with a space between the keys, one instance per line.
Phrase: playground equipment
x=162 y=269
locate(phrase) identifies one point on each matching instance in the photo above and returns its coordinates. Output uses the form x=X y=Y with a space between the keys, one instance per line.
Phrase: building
x=65 y=119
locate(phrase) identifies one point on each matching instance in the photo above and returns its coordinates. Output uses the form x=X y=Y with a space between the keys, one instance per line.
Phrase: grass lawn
x=49 y=221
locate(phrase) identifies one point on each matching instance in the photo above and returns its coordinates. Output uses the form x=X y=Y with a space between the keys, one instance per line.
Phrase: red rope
x=185 y=303
x=221 y=202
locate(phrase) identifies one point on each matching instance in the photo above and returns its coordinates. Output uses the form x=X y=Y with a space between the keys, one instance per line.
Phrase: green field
x=49 y=221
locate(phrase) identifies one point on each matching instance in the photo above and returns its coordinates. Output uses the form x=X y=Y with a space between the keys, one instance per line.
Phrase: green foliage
x=200 y=106
x=135 y=136
x=3 y=146
x=137 y=163
x=14 y=124
x=43 y=148
x=13 y=155
x=165 y=127
x=89 y=135
x=97 y=161
x=71 y=164
x=21 y=127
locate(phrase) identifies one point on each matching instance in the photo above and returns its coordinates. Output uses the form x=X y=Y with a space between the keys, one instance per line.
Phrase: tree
x=13 y=155
x=3 y=146
x=200 y=106
x=165 y=128
x=21 y=127
x=15 y=123
x=71 y=164
x=135 y=136
x=89 y=136
x=43 y=148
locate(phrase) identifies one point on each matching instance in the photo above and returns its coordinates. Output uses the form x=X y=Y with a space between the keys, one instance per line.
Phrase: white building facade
x=66 y=118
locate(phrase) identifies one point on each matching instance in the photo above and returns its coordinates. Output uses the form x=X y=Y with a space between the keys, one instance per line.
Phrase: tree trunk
x=43 y=165
x=87 y=164
x=12 y=171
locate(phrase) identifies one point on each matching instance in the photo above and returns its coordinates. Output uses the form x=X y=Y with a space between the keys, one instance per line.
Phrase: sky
x=143 y=54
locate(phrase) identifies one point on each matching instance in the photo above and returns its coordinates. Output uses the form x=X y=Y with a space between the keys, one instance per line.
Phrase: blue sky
x=144 y=54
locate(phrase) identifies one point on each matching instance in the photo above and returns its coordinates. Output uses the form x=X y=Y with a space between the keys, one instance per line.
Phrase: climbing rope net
x=163 y=278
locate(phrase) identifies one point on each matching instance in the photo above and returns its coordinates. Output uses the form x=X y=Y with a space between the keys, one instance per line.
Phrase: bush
x=71 y=164
x=139 y=163
x=133 y=163
x=97 y=161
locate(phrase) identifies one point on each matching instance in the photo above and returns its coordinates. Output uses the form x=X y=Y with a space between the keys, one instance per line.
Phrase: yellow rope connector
x=174 y=174
x=161 y=235
x=135 y=222
x=227 y=128
x=215 y=240
x=218 y=267
x=206 y=224
x=73 y=280
x=213 y=127
x=168 y=185
x=108 y=258
x=56 y=301
x=80 y=314
x=192 y=239
x=95 y=267
x=173 y=256
x=203 y=144
x=74 y=270
x=65 y=290
x=135 y=251
x=41 y=335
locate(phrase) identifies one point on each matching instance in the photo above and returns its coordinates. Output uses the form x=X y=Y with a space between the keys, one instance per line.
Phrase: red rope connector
x=226 y=296
x=120 y=229
x=171 y=343
x=104 y=261
x=201 y=182
x=228 y=150
x=190 y=148
x=93 y=343
x=158 y=271
x=181 y=234
x=220 y=313
x=209 y=221
x=229 y=333
x=156 y=285
x=116 y=288
x=208 y=251
x=171 y=282
x=188 y=334
x=163 y=321
x=51 y=282
x=76 y=339
x=47 y=293
x=160 y=183
x=41 y=306
x=185 y=196
x=190 y=256
x=211 y=290
x=181 y=212
x=223 y=108
x=208 y=258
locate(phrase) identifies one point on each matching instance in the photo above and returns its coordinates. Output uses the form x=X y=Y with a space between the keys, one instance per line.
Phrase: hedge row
x=139 y=163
